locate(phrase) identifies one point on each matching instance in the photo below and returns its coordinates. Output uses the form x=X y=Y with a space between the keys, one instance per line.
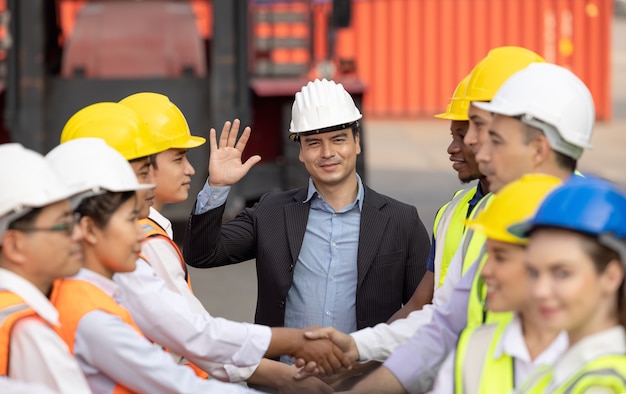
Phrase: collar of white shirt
x=162 y=221
x=611 y=341
x=30 y=294
x=513 y=344
x=103 y=283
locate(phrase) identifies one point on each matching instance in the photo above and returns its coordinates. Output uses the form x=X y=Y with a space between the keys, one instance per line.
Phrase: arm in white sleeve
x=39 y=355
x=208 y=342
x=210 y=197
x=378 y=342
x=416 y=363
x=113 y=348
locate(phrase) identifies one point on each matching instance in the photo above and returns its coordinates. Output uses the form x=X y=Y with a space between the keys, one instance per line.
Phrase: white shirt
x=110 y=351
x=227 y=350
x=166 y=263
x=37 y=353
x=12 y=386
x=511 y=343
x=378 y=342
x=611 y=341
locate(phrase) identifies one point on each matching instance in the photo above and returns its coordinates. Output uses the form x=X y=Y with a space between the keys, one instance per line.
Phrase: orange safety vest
x=12 y=309
x=152 y=229
x=74 y=298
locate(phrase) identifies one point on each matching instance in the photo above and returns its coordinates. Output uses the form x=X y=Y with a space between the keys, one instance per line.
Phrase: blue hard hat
x=588 y=205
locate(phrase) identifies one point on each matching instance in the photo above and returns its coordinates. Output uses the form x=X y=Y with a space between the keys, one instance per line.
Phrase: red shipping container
x=410 y=54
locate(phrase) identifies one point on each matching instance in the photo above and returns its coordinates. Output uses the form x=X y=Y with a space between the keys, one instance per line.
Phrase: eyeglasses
x=66 y=227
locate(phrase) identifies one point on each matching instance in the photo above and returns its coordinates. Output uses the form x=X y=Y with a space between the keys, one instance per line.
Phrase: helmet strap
x=557 y=143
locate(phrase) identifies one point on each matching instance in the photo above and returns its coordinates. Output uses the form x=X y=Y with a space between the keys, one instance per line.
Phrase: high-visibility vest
x=475 y=368
x=74 y=298
x=152 y=229
x=448 y=229
x=12 y=309
x=608 y=371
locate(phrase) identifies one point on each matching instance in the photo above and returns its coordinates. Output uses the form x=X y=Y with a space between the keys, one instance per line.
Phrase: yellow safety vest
x=448 y=229
x=475 y=368
x=607 y=371
x=473 y=249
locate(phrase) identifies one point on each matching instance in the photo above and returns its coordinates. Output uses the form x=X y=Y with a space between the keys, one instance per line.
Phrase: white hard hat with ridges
x=322 y=104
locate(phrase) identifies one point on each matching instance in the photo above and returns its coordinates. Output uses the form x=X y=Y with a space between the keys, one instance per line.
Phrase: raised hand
x=225 y=166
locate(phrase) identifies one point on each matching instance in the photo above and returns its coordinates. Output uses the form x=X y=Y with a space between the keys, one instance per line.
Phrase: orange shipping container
x=411 y=53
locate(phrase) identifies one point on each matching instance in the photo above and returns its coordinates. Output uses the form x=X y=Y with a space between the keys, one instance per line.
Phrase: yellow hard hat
x=514 y=203
x=116 y=124
x=165 y=121
x=457 y=109
x=491 y=72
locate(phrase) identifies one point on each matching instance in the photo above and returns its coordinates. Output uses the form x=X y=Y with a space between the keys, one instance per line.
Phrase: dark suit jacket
x=392 y=252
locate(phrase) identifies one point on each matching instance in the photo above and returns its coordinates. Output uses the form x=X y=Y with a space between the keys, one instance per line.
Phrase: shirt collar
x=162 y=221
x=30 y=294
x=101 y=282
x=611 y=341
x=312 y=191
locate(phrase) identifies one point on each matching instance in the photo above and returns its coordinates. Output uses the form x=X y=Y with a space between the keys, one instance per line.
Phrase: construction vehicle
x=216 y=60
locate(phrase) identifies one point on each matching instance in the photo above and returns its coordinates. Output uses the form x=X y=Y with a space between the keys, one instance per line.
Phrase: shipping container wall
x=410 y=54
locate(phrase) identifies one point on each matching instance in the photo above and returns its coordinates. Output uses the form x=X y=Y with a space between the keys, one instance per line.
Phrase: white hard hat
x=27 y=181
x=322 y=106
x=88 y=166
x=552 y=99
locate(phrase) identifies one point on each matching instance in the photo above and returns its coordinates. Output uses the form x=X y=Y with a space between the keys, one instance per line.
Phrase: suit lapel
x=373 y=225
x=296 y=217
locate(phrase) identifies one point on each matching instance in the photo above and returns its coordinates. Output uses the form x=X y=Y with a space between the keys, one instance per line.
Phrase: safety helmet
x=27 y=181
x=491 y=72
x=117 y=124
x=553 y=99
x=587 y=205
x=89 y=166
x=457 y=109
x=166 y=122
x=515 y=202
x=322 y=106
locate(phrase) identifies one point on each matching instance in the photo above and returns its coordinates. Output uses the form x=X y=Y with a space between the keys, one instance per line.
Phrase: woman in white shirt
x=575 y=260
x=499 y=355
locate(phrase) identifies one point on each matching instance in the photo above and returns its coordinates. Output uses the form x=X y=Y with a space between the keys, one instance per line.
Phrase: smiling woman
x=576 y=258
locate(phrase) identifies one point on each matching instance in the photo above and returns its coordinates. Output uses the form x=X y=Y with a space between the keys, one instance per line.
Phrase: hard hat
x=89 y=166
x=491 y=72
x=587 y=205
x=515 y=202
x=117 y=124
x=27 y=181
x=457 y=109
x=553 y=99
x=166 y=122
x=322 y=106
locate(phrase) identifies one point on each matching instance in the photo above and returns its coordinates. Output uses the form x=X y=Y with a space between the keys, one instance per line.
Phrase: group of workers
x=520 y=289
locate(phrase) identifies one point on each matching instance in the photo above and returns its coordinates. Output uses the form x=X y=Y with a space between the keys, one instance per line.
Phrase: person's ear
x=14 y=246
x=89 y=230
x=613 y=276
x=541 y=149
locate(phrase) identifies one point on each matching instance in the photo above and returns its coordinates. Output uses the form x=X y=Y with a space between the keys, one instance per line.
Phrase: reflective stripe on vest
x=608 y=372
x=474 y=251
x=152 y=229
x=475 y=368
x=12 y=309
x=450 y=223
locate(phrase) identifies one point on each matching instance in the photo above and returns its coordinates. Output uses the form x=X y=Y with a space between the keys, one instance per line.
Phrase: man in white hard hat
x=38 y=244
x=333 y=253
